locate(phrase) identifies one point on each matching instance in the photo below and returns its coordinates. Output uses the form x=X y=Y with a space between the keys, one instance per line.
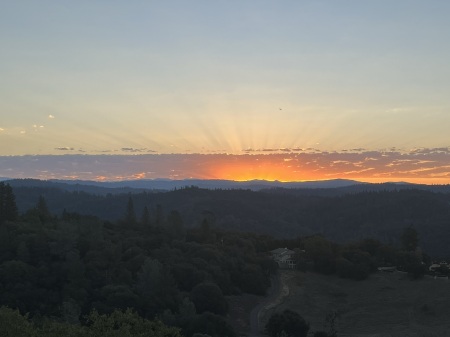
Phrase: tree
x=174 y=226
x=210 y=325
x=156 y=289
x=412 y=264
x=42 y=210
x=159 y=215
x=209 y=297
x=321 y=334
x=118 y=324
x=2 y=202
x=289 y=322
x=8 y=207
x=409 y=239
x=13 y=324
x=145 y=218
x=130 y=216
x=323 y=254
x=150 y=278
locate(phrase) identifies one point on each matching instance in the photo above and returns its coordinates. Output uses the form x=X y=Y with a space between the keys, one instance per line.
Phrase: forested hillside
x=78 y=269
x=381 y=214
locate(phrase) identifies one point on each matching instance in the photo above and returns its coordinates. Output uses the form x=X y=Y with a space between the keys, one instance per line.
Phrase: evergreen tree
x=159 y=215
x=11 y=212
x=145 y=219
x=42 y=210
x=175 y=225
x=2 y=202
x=130 y=216
x=289 y=322
x=410 y=239
x=8 y=207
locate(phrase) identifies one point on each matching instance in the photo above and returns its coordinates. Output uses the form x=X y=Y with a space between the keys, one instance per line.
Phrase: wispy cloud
x=133 y=150
x=279 y=150
x=51 y=116
x=36 y=127
x=432 y=165
x=64 y=148
x=399 y=110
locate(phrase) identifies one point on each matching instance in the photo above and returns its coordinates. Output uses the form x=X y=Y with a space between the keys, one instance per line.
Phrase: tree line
x=63 y=268
x=282 y=213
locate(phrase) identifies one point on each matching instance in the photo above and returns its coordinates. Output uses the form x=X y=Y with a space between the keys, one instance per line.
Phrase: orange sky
x=427 y=166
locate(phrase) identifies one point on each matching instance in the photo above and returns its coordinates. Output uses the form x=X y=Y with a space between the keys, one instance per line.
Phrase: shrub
x=289 y=322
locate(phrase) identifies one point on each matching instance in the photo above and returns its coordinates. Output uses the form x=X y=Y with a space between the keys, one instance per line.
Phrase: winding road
x=276 y=292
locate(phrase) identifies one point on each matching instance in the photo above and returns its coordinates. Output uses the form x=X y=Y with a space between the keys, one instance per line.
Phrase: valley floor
x=387 y=304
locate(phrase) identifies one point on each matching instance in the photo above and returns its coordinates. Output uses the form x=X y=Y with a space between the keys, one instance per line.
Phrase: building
x=285 y=258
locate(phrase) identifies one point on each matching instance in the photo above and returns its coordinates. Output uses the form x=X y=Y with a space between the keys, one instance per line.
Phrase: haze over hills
x=319 y=187
x=102 y=187
x=169 y=184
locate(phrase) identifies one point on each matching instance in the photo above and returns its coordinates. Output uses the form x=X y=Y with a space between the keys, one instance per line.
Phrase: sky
x=278 y=90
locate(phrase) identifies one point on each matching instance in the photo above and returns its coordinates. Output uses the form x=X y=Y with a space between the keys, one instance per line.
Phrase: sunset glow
x=291 y=91
x=249 y=168
x=427 y=166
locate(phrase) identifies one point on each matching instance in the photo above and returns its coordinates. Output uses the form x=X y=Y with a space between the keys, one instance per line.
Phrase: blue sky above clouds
x=177 y=77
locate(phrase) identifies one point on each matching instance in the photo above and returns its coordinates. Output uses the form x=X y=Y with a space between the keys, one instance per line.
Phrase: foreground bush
x=289 y=322
x=118 y=324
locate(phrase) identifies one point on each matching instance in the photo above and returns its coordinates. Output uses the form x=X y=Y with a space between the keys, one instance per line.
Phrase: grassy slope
x=387 y=304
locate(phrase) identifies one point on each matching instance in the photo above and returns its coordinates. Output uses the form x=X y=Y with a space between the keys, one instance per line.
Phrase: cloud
x=37 y=127
x=64 y=148
x=430 y=150
x=398 y=110
x=133 y=150
x=384 y=165
x=51 y=116
x=336 y=162
x=278 y=150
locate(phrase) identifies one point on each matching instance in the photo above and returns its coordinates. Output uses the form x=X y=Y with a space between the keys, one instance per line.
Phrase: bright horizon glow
x=322 y=82
x=425 y=166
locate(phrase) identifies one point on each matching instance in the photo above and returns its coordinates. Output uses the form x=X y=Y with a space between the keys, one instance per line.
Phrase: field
x=387 y=304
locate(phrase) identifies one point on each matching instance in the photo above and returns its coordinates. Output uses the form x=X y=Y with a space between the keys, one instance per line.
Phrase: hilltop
x=342 y=214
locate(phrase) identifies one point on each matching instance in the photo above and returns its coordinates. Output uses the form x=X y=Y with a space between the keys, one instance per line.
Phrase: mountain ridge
x=169 y=184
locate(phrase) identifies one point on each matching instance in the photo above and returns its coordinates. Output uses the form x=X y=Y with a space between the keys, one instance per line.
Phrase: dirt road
x=276 y=294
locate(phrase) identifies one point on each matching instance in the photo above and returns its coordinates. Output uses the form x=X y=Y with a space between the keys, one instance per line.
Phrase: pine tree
x=2 y=202
x=159 y=215
x=130 y=215
x=11 y=211
x=8 y=207
x=42 y=210
x=145 y=219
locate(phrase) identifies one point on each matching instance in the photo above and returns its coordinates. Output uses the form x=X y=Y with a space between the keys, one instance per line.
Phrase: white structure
x=285 y=258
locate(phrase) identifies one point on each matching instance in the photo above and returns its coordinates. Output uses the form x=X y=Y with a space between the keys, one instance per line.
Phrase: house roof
x=285 y=258
x=282 y=251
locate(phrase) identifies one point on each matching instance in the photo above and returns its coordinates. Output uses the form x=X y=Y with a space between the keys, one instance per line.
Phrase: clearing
x=386 y=304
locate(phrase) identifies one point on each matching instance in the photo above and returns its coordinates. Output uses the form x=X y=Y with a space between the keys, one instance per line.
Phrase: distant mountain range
x=167 y=184
x=320 y=187
x=255 y=185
